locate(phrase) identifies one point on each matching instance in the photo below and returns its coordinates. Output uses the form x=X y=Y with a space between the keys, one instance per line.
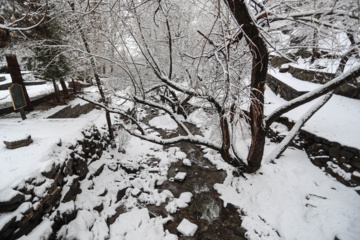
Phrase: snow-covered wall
x=60 y=181
x=341 y=162
x=351 y=90
x=282 y=89
x=73 y=111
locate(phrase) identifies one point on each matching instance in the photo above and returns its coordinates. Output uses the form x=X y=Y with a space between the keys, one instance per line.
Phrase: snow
x=356 y=174
x=291 y=199
x=197 y=117
x=42 y=231
x=187 y=228
x=298 y=85
x=180 y=176
x=294 y=199
x=17 y=214
x=22 y=163
x=163 y=122
x=296 y=128
x=187 y=162
x=129 y=221
x=331 y=122
x=181 y=202
x=137 y=225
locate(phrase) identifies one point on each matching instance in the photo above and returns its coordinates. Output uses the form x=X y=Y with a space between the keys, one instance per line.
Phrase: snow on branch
x=115 y=111
x=296 y=128
x=166 y=109
x=8 y=27
x=295 y=15
x=191 y=92
x=331 y=85
x=191 y=139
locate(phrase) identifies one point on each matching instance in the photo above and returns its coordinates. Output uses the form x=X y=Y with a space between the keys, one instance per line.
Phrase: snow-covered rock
x=181 y=202
x=138 y=225
x=187 y=162
x=180 y=176
x=164 y=122
x=187 y=228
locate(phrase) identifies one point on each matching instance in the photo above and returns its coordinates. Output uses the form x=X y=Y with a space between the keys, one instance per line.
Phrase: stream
x=206 y=209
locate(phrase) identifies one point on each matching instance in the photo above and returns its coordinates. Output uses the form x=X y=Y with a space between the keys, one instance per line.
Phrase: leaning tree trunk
x=74 y=87
x=56 y=92
x=64 y=88
x=258 y=75
x=16 y=77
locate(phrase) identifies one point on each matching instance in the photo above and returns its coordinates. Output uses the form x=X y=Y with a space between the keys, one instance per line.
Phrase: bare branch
x=333 y=84
x=296 y=128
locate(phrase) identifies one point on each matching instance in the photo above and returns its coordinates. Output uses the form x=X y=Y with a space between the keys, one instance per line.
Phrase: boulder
x=51 y=171
x=18 y=143
x=73 y=191
x=120 y=194
x=12 y=204
x=346 y=154
x=334 y=152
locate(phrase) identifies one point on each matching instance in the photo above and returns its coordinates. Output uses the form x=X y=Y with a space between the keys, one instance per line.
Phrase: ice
x=187 y=228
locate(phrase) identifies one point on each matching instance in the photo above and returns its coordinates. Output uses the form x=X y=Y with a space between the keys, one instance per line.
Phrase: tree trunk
x=98 y=83
x=225 y=138
x=56 y=92
x=65 y=89
x=97 y=78
x=4 y=36
x=260 y=60
x=16 y=77
x=74 y=87
x=345 y=58
x=108 y=120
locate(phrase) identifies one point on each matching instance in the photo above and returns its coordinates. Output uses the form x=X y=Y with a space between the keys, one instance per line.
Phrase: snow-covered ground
x=337 y=121
x=291 y=199
x=22 y=163
x=288 y=79
x=324 y=64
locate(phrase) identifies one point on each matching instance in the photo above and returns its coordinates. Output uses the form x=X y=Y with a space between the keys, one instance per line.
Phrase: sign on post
x=18 y=98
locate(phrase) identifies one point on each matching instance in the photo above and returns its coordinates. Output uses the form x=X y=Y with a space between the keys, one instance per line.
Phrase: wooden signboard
x=18 y=98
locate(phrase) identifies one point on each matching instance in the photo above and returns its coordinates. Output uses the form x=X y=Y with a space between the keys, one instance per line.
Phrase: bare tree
x=225 y=66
